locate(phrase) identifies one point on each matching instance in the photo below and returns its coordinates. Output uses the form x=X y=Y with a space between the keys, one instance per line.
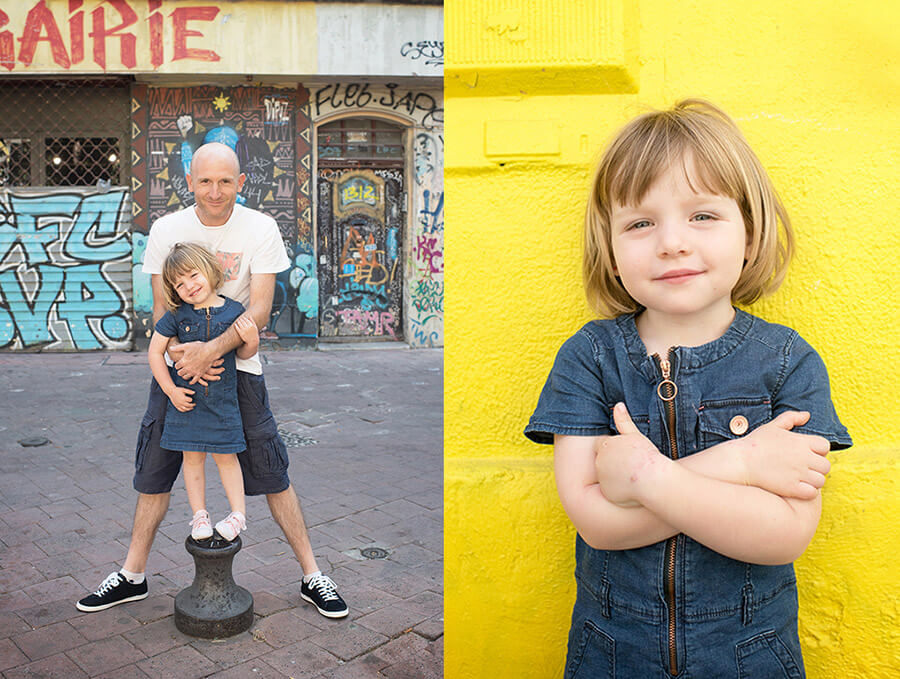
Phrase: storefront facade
x=335 y=111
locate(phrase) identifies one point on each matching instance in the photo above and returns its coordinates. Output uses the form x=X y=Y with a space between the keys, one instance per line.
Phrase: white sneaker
x=231 y=525
x=201 y=528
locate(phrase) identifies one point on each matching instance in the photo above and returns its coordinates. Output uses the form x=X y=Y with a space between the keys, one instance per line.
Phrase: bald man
x=248 y=244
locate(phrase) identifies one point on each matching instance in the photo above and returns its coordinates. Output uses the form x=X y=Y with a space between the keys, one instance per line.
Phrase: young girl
x=689 y=436
x=210 y=422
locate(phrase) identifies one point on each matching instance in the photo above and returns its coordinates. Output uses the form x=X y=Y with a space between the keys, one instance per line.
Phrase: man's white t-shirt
x=248 y=243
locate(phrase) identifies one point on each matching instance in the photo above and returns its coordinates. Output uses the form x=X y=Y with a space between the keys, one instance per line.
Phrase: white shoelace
x=111 y=581
x=324 y=586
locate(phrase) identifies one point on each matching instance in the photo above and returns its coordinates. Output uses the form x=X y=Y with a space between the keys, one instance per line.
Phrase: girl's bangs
x=641 y=160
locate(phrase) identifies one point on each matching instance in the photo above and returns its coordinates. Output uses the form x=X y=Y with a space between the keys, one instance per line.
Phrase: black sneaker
x=112 y=591
x=321 y=592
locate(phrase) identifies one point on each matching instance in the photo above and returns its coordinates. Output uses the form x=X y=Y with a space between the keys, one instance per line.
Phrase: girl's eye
x=640 y=224
x=703 y=217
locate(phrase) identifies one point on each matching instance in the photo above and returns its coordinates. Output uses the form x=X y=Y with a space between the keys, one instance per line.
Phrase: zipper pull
x=671 y=387
x=207 y=313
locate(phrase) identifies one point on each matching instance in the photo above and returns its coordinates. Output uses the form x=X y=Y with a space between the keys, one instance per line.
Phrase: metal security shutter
x=65 y=215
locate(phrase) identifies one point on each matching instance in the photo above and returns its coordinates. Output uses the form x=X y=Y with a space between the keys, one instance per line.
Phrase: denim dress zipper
x=206 y=388
x=666 y=390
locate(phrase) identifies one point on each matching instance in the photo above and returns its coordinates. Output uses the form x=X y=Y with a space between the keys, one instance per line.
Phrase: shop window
x=79 y=161
x=360 y=141
x=15 y=162
x=64 y=132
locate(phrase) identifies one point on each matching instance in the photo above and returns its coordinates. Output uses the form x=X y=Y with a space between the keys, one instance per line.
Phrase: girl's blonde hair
x=724 y=164
x=186 y=257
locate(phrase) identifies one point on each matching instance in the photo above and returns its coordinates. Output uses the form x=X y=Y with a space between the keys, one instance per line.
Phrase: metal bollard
x=213 y=606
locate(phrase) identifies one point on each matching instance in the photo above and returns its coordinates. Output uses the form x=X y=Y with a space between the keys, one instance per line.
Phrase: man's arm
x=198 y=357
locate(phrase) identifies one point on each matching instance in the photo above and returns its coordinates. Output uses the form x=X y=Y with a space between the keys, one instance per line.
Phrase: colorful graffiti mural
x=269 y=130
x=359 y=229
x=426 y=284
x=424 y=267
x=65 y=269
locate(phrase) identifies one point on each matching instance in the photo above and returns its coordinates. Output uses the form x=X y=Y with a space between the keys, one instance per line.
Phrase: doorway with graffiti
x=360 y=216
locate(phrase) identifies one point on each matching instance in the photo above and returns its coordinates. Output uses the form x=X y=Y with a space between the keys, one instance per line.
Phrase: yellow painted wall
x=533 y=90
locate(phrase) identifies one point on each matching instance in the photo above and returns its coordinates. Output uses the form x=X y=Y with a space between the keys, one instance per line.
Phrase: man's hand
x=197 y=362
x=784 y=462
x=181 y=399
x=623 y=461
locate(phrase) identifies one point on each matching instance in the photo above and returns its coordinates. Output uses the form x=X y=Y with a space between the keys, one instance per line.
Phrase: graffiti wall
x=426 y=279
x=360 y=232
x=268 y=128
x=424 y=262
x=65 y=269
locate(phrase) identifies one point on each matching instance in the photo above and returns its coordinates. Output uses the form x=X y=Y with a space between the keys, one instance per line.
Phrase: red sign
x=114 y=30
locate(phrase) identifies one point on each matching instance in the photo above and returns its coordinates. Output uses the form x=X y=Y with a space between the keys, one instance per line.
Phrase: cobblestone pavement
x=364 y=434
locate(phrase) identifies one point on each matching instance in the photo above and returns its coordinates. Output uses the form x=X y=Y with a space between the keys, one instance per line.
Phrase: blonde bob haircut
x=184 y=258
x=723 y=164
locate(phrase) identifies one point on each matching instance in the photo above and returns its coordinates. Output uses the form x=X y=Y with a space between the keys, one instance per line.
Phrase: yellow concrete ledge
x=541 y=47
x=509 y=563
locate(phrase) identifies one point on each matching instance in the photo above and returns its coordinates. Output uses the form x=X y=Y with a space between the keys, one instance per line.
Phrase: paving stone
x=283 y=629
x=15 y=600
x=47 y=614
x=152 y=608
x=401 y=616
x=254 y=669
x=225 y=653
x=55 y=667
x=19 y=577
x=300 y=661
x=127 y=672
x=105 y=655
x=265 y=603
x=364 y=667
x=10 y=655
x=183 y=662
x=49 y=640
x=104 y=624
x=349 y=640
x=53 y=590
x=157 y=637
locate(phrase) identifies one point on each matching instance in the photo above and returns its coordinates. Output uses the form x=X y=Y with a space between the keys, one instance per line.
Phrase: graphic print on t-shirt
x=231 y=264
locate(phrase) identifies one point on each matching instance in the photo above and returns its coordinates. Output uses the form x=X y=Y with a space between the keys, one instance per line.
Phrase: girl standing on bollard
x=210 y=422
x=689 y=436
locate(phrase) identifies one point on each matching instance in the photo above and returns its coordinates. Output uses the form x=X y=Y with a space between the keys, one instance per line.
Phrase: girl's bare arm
x=750 y=460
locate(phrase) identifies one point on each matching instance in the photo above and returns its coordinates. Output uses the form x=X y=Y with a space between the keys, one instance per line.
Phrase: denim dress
x=214 y=424
x=677 y=608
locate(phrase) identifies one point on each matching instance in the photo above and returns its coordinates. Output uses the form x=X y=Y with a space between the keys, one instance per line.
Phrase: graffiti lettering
x=432 y=51
x=359 y=260
x=359 y=95
x=368 y=322
x=109 y=20
x=423 y=336
x=277 y=123
x=428 y=295
x=427 y=285
x=431 y=216
x=63 y=254
x=429 y=254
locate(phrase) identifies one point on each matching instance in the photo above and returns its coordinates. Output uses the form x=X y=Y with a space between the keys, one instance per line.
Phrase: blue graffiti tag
x=57 y=249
